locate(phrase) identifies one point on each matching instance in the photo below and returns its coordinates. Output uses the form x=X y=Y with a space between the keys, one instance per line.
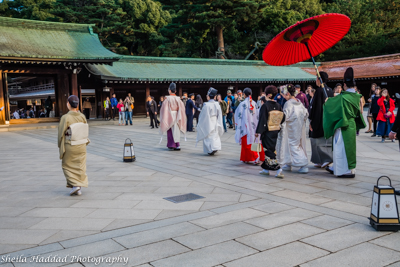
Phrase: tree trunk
x=220 y=38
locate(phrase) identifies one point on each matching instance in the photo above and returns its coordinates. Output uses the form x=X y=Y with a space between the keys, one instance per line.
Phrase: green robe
x=343 y=111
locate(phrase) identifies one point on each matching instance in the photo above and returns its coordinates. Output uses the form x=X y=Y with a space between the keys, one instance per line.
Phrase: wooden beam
x=2 y=101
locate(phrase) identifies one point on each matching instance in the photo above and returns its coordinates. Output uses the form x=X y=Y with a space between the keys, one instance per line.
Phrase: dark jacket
x=396 y=126
x=303 y=99
x=151 y=106
x=189 y=107
x=374 y=105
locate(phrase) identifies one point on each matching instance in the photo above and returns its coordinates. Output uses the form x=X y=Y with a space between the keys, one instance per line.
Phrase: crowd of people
x=271 y=131
x=278 y=121
x=114 y=108
x=381 y=115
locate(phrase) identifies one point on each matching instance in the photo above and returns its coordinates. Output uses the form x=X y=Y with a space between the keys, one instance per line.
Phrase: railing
x=42 y=87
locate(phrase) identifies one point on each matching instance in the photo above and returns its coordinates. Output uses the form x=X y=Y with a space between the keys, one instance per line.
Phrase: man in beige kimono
x=72 y=142
x=173 y=118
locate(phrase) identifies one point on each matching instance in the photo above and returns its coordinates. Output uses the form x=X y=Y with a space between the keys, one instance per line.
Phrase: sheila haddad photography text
x=65 y=259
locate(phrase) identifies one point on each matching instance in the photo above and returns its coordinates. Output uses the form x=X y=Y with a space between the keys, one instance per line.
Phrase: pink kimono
x=172 y=120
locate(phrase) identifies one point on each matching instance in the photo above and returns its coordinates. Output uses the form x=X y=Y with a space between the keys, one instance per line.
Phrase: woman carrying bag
x=385 y=116
x=73 y=132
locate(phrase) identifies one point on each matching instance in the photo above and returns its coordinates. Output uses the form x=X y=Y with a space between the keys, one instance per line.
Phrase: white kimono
x=246 y=121
x=210 y=127
x=291 y=145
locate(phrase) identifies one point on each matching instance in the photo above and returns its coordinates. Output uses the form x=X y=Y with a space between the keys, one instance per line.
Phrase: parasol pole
x=316 y=69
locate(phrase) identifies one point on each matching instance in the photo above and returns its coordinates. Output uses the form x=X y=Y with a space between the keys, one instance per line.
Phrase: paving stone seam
x=261 y=251
x=308 y=206
x=64 y=246
x=335 y=252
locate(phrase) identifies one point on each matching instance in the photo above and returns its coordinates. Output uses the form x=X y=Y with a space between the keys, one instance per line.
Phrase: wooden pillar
x=147 y=90
x=180 y=89
x=80 y=98
x=236 y=87
x=2 y=101
x=62 y=94
x=261 y=89
x=74 y=84
x=147 y=95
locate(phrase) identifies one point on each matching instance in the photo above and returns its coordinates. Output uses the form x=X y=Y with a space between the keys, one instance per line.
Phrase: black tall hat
x=324 y=76
x=212 y=92
x=172 y=87
x=348 y=75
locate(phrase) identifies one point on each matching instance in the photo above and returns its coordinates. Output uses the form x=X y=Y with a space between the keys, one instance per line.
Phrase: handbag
x=385 y=115
x=256 y=146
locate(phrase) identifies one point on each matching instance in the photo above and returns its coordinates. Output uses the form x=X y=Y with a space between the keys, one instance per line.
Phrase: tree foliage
x=184 y=28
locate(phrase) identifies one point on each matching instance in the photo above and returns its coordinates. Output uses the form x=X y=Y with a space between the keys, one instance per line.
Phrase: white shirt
x=16 y=115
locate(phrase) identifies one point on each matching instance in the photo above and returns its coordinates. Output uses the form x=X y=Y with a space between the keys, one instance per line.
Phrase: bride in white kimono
x=210 y=127
x=291 y=145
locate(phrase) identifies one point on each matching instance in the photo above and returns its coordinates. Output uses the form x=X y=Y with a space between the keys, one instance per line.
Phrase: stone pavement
x=244 y=219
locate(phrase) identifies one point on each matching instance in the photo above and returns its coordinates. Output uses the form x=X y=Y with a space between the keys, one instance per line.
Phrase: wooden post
x=62 y=93
x=2 y=102
x=74 y=84
x=261 y=89
x=147 y=95
x=6 y=99
x=147 y=90
x=80 y=97
x=180 y=89
x=236 y=87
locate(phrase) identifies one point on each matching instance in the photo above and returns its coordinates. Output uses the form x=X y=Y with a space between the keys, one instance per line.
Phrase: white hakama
x=340 y=164
x=210 y=127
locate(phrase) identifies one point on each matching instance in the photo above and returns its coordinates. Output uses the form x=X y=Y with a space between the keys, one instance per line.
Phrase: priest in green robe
x=342 y=118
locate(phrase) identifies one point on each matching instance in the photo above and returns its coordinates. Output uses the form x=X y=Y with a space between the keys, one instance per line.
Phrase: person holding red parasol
x=342 y=119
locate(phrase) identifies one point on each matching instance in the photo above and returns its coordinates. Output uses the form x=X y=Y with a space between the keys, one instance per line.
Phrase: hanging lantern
x=384 y=213
x=129 y=153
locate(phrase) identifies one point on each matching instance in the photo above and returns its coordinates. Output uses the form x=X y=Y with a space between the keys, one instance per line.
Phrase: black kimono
x=269 y=138
x=316 y=111
x=321 y=148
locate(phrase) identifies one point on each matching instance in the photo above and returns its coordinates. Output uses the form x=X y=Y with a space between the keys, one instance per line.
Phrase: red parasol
x=306 y=39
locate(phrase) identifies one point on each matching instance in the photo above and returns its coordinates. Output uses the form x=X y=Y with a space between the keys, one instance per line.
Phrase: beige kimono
x=73 y=157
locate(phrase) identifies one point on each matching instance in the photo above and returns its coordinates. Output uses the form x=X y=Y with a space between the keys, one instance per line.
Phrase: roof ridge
x=361 y=59
x=179 y=60
x=39 y=24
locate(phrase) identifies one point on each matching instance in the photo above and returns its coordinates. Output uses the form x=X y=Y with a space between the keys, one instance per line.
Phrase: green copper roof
x=42 y=40
x=192 y=69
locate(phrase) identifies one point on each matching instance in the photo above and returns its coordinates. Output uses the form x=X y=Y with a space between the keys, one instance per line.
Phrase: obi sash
x=274 y=120
x=78 y=133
